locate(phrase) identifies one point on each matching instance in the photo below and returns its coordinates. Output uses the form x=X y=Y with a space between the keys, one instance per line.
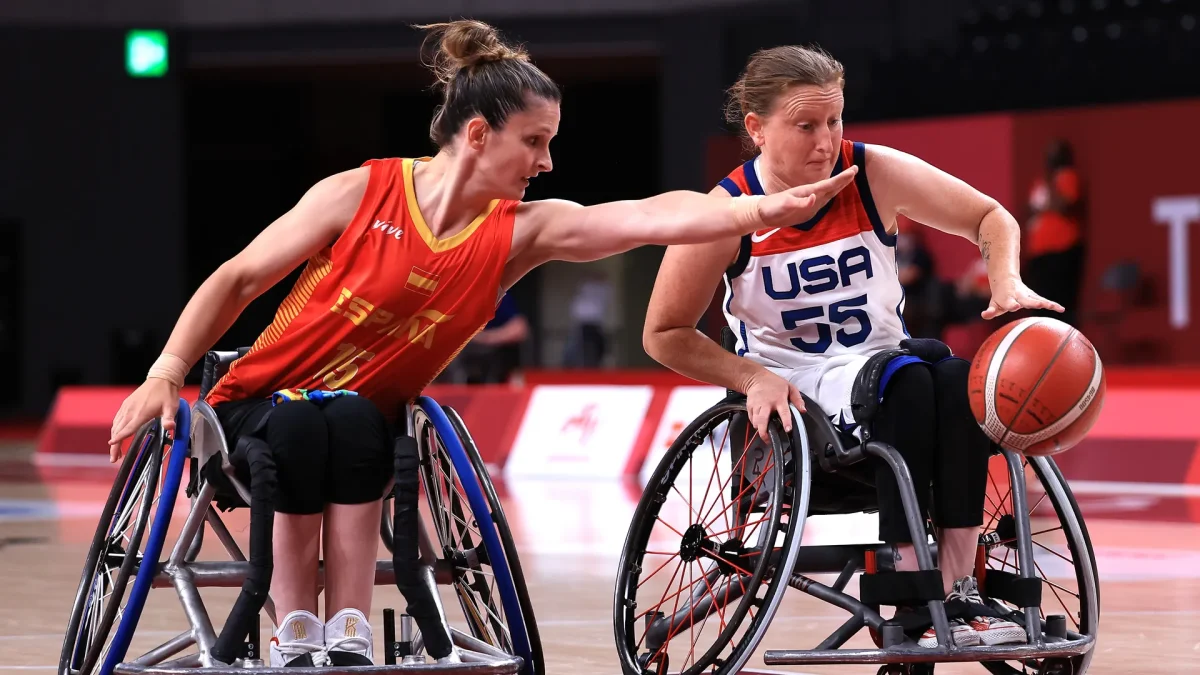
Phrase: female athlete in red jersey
x=811 y=301
x=406 y=260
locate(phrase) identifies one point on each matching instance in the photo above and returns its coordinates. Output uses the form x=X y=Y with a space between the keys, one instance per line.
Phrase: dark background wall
x=92 y=174
x=119 y=195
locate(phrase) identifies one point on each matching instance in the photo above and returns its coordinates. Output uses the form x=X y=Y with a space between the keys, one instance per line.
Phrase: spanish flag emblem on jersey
x=421 y=281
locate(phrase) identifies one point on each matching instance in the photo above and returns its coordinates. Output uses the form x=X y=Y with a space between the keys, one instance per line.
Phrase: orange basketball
x=1036 y=386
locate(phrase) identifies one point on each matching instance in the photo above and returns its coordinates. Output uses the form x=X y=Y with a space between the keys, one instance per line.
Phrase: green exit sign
x=146 y=53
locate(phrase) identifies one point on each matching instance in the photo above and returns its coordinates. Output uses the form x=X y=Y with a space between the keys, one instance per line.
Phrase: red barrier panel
x=1147 y=432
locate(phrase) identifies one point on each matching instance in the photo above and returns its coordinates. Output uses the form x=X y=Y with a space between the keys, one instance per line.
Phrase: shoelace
x=355 y=644
x=966 y=592
x=291 y=650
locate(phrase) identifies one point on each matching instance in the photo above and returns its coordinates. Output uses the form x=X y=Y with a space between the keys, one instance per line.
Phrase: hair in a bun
x=462 y=45
x=479 y=74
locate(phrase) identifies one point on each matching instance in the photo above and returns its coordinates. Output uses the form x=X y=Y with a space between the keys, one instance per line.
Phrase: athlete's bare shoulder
x=342 y=191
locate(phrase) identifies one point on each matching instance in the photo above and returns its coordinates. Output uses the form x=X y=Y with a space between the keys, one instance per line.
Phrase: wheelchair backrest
x=216 y=364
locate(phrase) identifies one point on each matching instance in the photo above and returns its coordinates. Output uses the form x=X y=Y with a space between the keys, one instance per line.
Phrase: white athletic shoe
x=991 y=630
x=961 y=634
x=348 y=640
x=299 y=641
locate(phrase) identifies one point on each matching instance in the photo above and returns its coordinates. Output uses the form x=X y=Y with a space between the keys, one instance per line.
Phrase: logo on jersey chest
x=388 y=229
x=421 y=327
x=815 y=326
x=817 y=274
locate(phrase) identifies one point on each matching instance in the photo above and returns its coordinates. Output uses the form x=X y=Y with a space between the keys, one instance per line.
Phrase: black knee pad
x=299 y=439
x=950 y=375
x=953 y=402
x=360 y=451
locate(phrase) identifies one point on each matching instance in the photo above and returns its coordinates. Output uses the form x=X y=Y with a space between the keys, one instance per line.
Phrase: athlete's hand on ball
x=769 y=393
x=1009 y=295
x=155 y=398
x=787 y=208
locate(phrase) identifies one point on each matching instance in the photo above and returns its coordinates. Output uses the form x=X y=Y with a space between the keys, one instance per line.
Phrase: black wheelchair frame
x=754 y=575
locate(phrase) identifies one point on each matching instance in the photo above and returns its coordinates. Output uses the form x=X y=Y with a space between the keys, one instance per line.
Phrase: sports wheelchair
x=700 y=581
x=474 y=554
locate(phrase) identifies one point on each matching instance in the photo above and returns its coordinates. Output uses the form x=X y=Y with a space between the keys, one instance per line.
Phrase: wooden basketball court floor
x=1146 y=538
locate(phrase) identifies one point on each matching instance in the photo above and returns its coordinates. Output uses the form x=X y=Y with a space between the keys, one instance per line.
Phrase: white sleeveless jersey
x=812 y=302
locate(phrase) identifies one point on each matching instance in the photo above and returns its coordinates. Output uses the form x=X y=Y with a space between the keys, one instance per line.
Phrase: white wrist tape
x=746 y=214
x=170 y=368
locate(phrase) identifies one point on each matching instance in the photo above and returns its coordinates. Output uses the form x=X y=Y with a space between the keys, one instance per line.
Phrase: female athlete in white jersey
x=812 y=302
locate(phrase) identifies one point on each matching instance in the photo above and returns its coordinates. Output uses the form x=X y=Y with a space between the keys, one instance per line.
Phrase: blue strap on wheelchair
x=890 y=369
x=871 y=382
x=316 y=395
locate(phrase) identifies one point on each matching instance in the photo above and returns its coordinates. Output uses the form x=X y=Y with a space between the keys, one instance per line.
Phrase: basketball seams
x=996 y=429
x=1075 y=411
x=1062 y=346
x=1057 y=381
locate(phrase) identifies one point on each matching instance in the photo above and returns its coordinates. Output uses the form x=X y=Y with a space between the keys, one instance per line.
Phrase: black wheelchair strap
x=901 y=588
x=263 y=485
x=406 y=554
x=1013 y=589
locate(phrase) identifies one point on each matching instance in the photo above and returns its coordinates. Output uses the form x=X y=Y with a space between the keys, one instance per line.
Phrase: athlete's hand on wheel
x=155 y=398
x=1010 y=295
x=769 y=393
x=799 y=204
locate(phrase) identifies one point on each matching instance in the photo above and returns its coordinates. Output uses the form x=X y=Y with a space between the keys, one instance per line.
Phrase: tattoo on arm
x=985 y=248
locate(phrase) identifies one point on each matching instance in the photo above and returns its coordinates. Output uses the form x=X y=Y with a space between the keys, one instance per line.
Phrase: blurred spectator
x=923 y=291
x=1054 y=233
x=495 y=353
x=586 y=344
x=931 y=304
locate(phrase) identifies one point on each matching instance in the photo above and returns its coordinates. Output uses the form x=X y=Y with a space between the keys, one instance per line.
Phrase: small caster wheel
x=659 y=666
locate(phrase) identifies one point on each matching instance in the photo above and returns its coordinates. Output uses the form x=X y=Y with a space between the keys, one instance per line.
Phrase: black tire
x=81 y=653
x=772 y=569
x=506 y=538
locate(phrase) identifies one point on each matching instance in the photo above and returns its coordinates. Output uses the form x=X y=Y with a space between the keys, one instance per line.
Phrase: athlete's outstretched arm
x=904 y=184
x=562 y=230
x=686 y=281
x=312 y=224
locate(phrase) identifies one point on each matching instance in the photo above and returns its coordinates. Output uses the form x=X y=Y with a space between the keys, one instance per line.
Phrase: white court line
x=1084 y=487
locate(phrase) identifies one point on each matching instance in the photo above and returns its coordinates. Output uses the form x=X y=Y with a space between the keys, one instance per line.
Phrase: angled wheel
x=711 y=546
x=114 y=556
x=121 y=548
x=483 y=578
x=506 y=538
x=1063 y=558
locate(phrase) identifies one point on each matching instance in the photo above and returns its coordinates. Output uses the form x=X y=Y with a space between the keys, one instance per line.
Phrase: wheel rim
x=102 y=598
x=506 y=538
x=461 y=541
x=694 y=549
x=1063 y=558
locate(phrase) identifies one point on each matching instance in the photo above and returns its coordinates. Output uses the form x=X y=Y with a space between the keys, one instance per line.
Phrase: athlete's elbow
x=992 y=211
x=653 y=341
x=235 y=283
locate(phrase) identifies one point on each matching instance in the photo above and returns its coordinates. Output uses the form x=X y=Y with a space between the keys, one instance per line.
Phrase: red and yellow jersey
x=384 y=309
